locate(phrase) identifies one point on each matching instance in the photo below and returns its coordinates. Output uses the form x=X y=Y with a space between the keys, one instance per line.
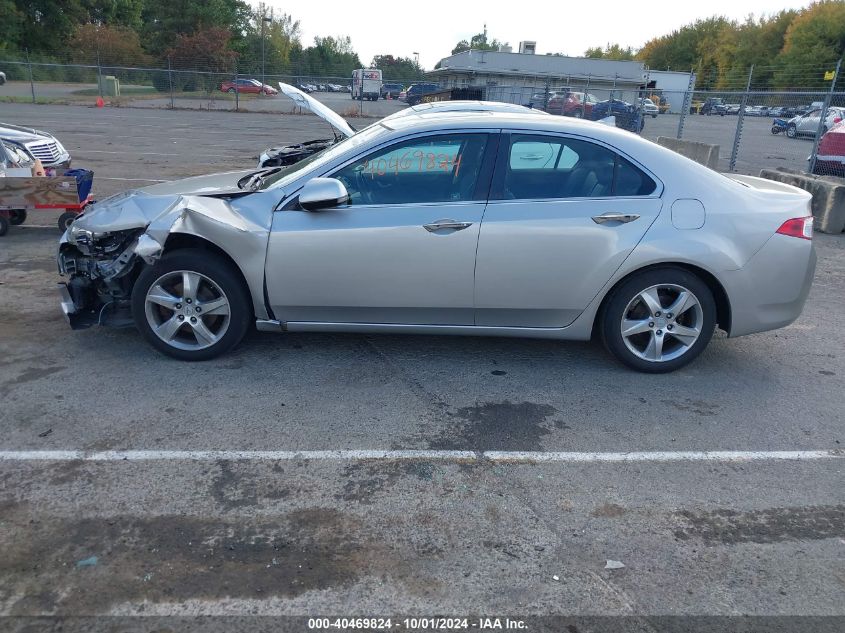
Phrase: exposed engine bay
x=291 y=154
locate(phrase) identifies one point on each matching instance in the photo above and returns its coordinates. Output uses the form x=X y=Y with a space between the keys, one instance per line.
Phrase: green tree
x=165 y=20
x=280 y=36
x=478 y=42
x=610 y=51
x=814 y=41
x=125 y=13
x=111 y=45
x=11 y=26
x=47 y=24
x=401 y=69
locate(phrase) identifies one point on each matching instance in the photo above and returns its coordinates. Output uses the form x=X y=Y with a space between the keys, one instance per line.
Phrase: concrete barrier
x=707 y=155
x=828 y=196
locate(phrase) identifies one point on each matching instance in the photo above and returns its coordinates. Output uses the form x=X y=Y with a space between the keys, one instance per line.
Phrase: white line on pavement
x=524 y=457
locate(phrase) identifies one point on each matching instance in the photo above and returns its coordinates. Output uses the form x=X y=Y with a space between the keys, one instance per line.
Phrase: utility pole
x=264 y=20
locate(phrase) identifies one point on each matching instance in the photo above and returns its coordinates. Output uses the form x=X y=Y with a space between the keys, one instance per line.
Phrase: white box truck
x=366 y=83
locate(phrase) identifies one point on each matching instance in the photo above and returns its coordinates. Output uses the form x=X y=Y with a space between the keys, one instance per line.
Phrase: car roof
x=444 y=107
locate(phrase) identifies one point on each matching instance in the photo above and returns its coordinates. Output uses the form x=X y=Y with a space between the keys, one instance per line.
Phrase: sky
x=433 y=27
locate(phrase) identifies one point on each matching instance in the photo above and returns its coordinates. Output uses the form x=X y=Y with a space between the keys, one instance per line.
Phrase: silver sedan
x=466 y=223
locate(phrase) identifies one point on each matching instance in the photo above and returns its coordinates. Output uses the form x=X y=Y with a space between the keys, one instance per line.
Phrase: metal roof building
x=513 y=76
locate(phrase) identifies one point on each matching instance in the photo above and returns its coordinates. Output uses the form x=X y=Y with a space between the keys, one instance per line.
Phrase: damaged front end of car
x=101 y=269
x=104 y=251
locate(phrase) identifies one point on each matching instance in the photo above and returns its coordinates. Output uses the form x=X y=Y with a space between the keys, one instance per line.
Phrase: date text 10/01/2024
x=418 y=624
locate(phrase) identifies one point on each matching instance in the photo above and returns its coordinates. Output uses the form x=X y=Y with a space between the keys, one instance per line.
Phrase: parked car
x=574 y=104
x=292 y=154
x=713 y=105
x=830 y=159
x=247 y=86
x=732 y=108
x=808 y=124
x=41 y=145
x=627 y=115
x=391 y=90
x=649 y=108
x=568 y=246
x=416 y=92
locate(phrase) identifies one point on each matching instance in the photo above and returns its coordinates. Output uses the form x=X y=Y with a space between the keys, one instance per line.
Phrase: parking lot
x=307 y=474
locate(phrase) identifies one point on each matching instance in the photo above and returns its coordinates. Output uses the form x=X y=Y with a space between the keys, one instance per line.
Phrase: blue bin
x=84 y=181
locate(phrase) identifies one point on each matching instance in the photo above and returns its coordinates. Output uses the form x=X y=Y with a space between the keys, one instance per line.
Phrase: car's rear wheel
x=191 y=305
x=791 y=130
x=231 y=91
x=659 y=320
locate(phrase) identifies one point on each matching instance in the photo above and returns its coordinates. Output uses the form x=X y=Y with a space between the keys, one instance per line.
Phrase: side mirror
x=323 y=193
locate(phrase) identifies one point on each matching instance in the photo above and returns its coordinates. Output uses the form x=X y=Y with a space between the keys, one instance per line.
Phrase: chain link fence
x=754 y=127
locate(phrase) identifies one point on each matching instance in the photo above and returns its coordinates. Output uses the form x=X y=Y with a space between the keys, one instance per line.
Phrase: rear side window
x=548 y=167
x=631 y=180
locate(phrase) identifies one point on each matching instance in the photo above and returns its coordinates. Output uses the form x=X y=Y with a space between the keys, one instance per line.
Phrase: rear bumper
x=769 y=292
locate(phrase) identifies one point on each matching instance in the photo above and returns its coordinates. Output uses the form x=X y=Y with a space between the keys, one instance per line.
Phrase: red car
x=577 y=104
x=247 y=86
x=830 y=161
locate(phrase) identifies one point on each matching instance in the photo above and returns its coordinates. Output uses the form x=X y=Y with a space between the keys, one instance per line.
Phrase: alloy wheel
x=662 y=323
x=187 y=310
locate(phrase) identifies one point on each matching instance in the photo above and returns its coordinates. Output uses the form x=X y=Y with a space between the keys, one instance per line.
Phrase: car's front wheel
x=791 y=130
x=191 y=305
x=659 y=320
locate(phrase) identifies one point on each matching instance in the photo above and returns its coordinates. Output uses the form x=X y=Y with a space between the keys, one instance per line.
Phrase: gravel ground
x=194 y=535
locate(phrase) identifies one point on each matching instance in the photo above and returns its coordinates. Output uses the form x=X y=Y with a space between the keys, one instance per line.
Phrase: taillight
x=837 y=119
x=798 y=227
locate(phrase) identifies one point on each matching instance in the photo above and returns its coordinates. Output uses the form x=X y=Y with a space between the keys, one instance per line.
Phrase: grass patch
x=124 y=92
x=38 y=100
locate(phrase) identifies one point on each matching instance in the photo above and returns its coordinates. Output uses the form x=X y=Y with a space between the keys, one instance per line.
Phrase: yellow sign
x=828 y=76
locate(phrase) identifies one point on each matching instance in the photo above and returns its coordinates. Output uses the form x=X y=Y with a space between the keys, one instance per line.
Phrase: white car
x=649 y=108
x=808 y=124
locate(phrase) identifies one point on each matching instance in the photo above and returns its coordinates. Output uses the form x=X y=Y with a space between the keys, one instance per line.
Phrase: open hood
x=321 y=110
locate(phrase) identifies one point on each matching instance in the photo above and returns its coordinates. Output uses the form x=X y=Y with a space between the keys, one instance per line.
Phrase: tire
x=17 y=217
x=214 y=280
x=646 y=350
x=791 y=130
x=65 y=220
x=4 y=225
x=231 y=91
x=578 y=114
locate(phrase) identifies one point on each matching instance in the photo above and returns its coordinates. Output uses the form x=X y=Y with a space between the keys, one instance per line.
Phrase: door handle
x=440 y=225
x=624 y=218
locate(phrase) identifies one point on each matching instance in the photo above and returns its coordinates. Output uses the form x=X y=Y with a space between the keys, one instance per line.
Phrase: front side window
x=423 y=170
x=543 y=167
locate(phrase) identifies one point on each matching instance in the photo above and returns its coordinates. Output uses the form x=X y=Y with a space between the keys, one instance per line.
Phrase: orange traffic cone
x=100 y=102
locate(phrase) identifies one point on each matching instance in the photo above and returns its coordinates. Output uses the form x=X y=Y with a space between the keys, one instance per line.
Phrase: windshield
x=286 y=175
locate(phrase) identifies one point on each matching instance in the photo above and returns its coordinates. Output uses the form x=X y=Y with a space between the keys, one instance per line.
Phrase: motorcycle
x=779 y=125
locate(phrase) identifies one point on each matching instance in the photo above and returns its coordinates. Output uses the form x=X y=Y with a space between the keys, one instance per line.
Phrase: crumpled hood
x=137 y=208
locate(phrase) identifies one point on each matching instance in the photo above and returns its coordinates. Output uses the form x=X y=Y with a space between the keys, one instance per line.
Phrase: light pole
x=417 y=56
x=264 y=20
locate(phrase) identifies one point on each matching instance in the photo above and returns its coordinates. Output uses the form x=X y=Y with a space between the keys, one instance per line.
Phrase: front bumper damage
x=106 y=248
x=100 y=277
